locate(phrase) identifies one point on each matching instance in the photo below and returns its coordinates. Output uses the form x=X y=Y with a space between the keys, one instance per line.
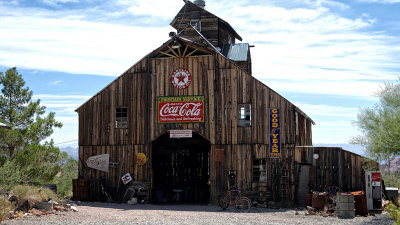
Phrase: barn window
x=244 y=115
x=196 y=24
x=195 y=20
x=259 y=170
x=121 y=117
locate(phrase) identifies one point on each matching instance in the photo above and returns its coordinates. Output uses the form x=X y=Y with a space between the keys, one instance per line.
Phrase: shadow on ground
x=175 y=207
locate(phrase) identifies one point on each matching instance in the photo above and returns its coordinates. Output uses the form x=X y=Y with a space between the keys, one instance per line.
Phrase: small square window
x=196 y=24
x=244 y=115
x=121 y=117
x=259 y=170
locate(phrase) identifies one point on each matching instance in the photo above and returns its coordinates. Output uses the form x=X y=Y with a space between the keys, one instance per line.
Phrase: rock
x=74 y=208
x=58 y=207
x=44 y=205
x=26 y=205
x=309 y=208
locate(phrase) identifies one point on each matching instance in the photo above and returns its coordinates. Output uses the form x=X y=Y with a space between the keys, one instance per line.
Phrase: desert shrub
x=6 y=208
x=394 y=213
x=11 y=175
x=392 y=179
x=26 y=192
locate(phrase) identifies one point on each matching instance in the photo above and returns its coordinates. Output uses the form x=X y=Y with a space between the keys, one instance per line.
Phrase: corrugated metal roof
x=236 y=52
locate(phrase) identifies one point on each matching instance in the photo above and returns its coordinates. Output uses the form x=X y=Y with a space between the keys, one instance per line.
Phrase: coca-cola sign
x=181 y=109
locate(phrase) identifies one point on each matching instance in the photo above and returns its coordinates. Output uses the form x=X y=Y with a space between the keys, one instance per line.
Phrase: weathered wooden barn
x=194 y=109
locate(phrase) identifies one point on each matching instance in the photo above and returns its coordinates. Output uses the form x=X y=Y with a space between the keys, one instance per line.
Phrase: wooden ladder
x=285 y=192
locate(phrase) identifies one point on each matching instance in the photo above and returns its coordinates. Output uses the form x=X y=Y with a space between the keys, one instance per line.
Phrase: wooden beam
x=179 y=52
x=172 y=50
x=184 y=52
x=193 y=52
x=164 y=53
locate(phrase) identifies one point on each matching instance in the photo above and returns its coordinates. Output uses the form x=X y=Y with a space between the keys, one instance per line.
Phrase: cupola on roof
x=194 y=17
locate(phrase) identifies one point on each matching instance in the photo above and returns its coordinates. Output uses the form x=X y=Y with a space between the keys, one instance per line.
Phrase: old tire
x=242 y=205
x=222 y=201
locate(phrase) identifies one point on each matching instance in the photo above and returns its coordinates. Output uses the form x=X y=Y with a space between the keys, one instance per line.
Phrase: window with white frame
x=259 y=170
x=244 y=115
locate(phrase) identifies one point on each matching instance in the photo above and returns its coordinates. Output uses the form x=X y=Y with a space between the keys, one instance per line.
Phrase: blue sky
x=327 y=57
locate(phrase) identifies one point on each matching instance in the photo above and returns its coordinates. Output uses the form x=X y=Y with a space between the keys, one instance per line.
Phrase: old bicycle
x=233 y=198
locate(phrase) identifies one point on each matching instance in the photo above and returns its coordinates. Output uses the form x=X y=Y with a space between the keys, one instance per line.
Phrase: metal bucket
x=320 y=201
x=345 y=205
x=308 y=200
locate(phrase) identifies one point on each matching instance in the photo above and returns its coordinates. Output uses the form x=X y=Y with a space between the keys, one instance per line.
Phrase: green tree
x=69 y=171
x=380 y=124
x=22 y=136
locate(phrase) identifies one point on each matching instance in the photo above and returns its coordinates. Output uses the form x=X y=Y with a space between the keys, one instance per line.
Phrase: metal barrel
x=345 y=205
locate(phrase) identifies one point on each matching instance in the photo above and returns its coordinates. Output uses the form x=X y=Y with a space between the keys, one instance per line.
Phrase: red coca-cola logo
x=176 y=109
x=181 y=109
x=376 y=176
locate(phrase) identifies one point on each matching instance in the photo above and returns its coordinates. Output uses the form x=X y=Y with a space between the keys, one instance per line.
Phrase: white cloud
x=57 y=2
x=48 y=96
x=75 y=46
x=318 y=110
x=381 y=1
x=333 y=123
x=56 y=82
x=154 y=8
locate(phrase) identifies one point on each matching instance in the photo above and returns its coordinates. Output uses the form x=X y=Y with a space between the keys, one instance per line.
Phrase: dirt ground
x=110 y=213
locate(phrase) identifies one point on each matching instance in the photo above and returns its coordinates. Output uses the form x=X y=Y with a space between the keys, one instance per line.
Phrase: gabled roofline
x=210 y=49
x=152 y=53
x=76 y=110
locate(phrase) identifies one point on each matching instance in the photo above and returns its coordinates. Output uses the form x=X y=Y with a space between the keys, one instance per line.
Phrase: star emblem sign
x=181 y=78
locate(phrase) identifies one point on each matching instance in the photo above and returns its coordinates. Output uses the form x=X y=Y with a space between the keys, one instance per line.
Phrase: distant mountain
x=71 y=151
x=349 y=147
x=394 y=165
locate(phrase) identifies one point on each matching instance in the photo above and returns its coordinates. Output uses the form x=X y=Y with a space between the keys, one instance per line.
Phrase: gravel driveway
x=110 y=213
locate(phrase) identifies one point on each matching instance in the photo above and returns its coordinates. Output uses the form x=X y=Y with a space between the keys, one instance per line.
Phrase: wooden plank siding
x=334 y=167
x=224 y=86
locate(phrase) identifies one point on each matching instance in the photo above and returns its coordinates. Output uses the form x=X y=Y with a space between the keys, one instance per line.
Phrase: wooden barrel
x=81 y=189
x=345 y=205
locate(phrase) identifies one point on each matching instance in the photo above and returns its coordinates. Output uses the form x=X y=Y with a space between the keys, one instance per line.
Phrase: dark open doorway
x=181 y=169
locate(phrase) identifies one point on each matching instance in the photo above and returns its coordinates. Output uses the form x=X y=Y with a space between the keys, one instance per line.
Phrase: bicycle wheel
x=242 y=205
x=223 y=200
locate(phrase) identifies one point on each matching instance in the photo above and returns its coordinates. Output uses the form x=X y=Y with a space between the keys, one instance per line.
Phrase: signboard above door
x=180 y=134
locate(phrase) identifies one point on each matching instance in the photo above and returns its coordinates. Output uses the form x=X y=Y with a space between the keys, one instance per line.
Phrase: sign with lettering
x=274 y=133
x=126 y=178
x=376 y=176
x=180 y=133
x=181 y=78
x=181 y=109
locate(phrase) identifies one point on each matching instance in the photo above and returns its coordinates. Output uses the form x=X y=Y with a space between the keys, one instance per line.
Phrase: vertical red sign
x=376 y=176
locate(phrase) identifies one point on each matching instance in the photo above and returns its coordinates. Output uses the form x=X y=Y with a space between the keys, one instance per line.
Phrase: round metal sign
x=181 y=78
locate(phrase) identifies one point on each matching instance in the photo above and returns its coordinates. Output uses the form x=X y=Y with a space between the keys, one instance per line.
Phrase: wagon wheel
x=332 y=190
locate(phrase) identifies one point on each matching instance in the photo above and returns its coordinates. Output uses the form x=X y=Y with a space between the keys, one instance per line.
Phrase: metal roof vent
x=200 y=3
